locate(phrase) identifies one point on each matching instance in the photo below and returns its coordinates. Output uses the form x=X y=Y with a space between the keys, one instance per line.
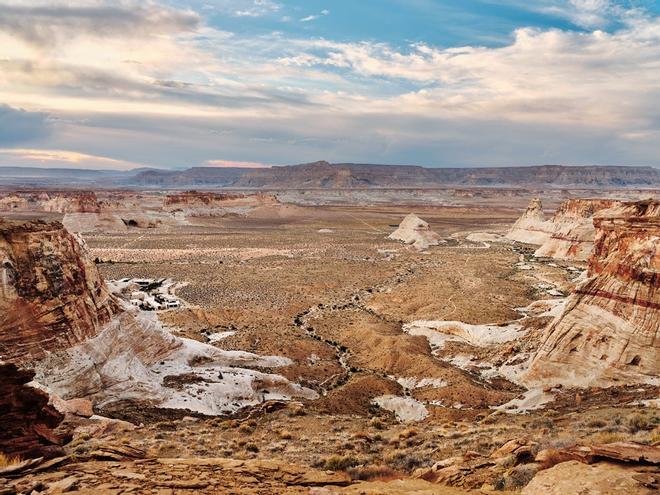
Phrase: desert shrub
x=401 y=461
x=341 y=462
x=376 y=423
x=252 y=447
x=607 y=437
x=6 y=461
x=520 y=476
x=638 y=422
x=285 y=435
x=655 y=437
x=596 y=423
x=369 y=473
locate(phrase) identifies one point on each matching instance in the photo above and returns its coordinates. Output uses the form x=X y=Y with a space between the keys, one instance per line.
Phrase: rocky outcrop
x=609 y=330
x=569 y=234
x=206 y=204
x=575 y=477
x=79 y=202
x=51 y=295
x=26 y=419
x=531 y=227
x=13 y=202
x=83 y=342
x=415 y=232
x=572 y=229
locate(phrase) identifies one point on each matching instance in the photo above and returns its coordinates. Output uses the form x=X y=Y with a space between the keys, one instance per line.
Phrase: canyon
x=328 y=343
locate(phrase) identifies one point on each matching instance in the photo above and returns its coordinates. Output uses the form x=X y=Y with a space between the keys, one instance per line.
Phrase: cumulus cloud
x=168 y=89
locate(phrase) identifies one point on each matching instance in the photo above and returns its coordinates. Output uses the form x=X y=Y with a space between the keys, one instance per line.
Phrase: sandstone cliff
x=609 y=330
x=51 y=295
x=78 y=202
x=572 y=229
x=60 y=318
x=531 y=227
x=569 y=234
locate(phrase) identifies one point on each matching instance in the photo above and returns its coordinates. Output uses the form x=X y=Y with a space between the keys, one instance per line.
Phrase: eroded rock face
x=84 y=343
x=51 y=295
x=79 y=202
x=569 y=234
x=531 y=227
x=572 y=229
x=26 y=419
x=415 y=232
x=608 y=332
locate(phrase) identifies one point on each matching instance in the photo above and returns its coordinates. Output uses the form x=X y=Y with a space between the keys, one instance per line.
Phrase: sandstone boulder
x=575 y=477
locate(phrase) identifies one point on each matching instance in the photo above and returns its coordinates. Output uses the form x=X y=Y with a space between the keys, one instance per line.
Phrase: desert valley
x=332 y=329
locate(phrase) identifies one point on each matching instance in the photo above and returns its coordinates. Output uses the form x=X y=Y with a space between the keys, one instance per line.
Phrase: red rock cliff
x=51 y=295
x=609 y=332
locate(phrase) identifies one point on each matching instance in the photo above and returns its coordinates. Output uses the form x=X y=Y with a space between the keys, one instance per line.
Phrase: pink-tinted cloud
x=229 y=163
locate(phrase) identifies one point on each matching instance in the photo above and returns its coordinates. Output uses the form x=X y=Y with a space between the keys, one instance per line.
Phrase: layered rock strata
x=83 y=342
x=51 y=295
x=569 y=234
x=609 y=331
x=572 y=229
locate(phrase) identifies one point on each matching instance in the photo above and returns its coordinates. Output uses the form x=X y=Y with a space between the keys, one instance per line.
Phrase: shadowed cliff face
x=51 y=296
x=608 y=333
x=26 y=419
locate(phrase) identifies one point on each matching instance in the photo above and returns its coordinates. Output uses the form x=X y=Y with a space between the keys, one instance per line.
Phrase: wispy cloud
x=258 y=8
x=61 y=158
x=314 y=17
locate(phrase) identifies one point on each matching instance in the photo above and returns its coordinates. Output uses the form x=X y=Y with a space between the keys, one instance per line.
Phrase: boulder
x=26 y=420
x=574 y=477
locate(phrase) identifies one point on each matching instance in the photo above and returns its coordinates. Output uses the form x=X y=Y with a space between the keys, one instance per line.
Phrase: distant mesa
x=609 y=331
x=415 y=232
x=325 y=175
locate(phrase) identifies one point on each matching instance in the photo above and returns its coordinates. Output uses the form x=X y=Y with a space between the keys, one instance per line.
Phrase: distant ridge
x=324 y=175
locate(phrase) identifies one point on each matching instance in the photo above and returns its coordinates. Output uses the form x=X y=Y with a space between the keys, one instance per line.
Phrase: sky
x=182 y=83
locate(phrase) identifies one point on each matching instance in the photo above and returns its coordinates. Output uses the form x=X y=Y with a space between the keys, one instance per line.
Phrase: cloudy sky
x=179 y=83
